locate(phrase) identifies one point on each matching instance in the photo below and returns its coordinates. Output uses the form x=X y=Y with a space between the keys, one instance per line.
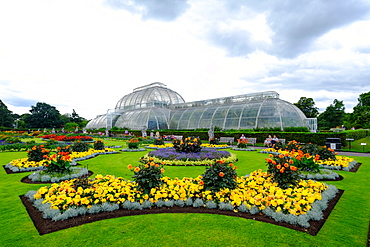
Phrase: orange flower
x=235 y=167
x=293 y=168
x=137 y=169
x=231 y=164
x=221 y=174
x=129 y=166
x=281 y=156
x=278 y=167
x=282 y=170
x=273 y=162
x=286 y=164
x=201 y=182
x=291 y=161
x=317 y=157
x=162 y=170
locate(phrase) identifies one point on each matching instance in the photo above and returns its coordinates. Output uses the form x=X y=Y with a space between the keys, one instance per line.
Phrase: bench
x=178 y=137
x=229 y=140
x=253 y=141
x=279 y=140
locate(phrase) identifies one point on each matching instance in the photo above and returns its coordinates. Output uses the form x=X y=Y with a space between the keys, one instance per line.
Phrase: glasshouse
x=155 y=106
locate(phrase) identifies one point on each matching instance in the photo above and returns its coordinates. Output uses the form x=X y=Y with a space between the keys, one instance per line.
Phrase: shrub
x=219 y=175
x=323 y=152
x=283 y=172
x=214 y=141
x=189 y=145
x=242 y=143
x=147 y=176
x=80 y=146
x=37 y=153
x=158 y=141
x=133 y=143
x=59 y=163
x=99 y=145
x=306 y=162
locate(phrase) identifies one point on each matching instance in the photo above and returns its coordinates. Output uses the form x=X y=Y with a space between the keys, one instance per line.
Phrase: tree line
x=41 y=115
x=334 y=115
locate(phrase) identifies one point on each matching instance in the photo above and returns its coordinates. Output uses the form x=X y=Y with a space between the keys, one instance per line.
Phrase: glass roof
x=152 y=95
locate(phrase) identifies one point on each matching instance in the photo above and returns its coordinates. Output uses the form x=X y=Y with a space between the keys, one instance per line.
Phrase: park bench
x=178 y=137
x=253 y=141
x=226 y=139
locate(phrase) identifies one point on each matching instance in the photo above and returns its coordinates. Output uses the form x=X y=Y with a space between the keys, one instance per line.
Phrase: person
x=242 y=137
x=274 y=140
x=268 y=141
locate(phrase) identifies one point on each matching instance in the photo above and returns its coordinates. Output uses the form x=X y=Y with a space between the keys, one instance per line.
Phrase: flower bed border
x=45 y=226
x=133 y=150
x=8 y=169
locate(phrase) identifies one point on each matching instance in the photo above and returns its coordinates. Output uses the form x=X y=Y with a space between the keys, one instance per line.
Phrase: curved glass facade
x=152 y=95
x=156 y=107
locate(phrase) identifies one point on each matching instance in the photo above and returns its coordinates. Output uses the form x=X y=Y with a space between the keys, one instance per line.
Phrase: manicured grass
x=346 y=226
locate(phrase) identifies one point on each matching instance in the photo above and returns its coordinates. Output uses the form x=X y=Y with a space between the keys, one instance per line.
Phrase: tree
x=43 y=116
x=333 y=116
x=360 y=118
x=6 y=116
x=307 y=106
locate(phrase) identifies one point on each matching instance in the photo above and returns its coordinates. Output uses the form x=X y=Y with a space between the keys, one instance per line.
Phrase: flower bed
x=341 y=163
x=63 y=138
x=203 y=158
x=255 y=193
x=243 y=149
x=24 y=165
x=203 y=145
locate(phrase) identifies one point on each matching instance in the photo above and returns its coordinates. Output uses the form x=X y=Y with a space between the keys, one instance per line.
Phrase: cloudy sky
x=87 y=54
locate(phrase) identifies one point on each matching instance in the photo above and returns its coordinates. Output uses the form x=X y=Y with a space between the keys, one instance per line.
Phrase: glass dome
x=152 y=95
x=97 y=123
x=157 y=107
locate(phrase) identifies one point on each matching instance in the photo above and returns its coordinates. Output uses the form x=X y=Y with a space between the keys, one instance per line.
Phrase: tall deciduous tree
x=43 y=116
x=307 y=106
x=333 y=116
x=360 y=118
x=6 y=116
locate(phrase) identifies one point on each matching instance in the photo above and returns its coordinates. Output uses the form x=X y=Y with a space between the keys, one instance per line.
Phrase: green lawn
x=347 y=225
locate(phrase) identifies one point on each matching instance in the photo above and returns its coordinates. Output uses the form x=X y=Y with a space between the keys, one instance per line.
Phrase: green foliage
x=188 y=145
x=322 y=151
x=333 y=116
x=307 y=163
x=296 y=129
x=158 y=141
x=214 y=141
x=37 y=153
x=283 y=172
x=147 y=176
x=6 y=118
x=80 y=146
x=307 y=106
x=266 y=129
x=59 y=163
x=133 y=143
x=242 y=143
x=360 y=118
x=99 y=145
x=43 y=116
x=219 y=176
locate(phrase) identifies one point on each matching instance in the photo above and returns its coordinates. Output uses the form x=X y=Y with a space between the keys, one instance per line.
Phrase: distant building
x=155 y=106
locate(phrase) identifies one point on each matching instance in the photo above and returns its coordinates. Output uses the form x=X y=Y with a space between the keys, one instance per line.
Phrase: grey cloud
x=295 y=24
x=19 y=102
x=164 y=10
x=298 y=23
x=236 y=42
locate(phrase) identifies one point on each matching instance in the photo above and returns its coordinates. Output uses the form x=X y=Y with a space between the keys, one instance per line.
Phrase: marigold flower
x=221 y=174
x=293 y=168
x=282 y=170
x=201 y=182
x=162 y=170
x=286 y=164
x=278 y=167
x=129 y=166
